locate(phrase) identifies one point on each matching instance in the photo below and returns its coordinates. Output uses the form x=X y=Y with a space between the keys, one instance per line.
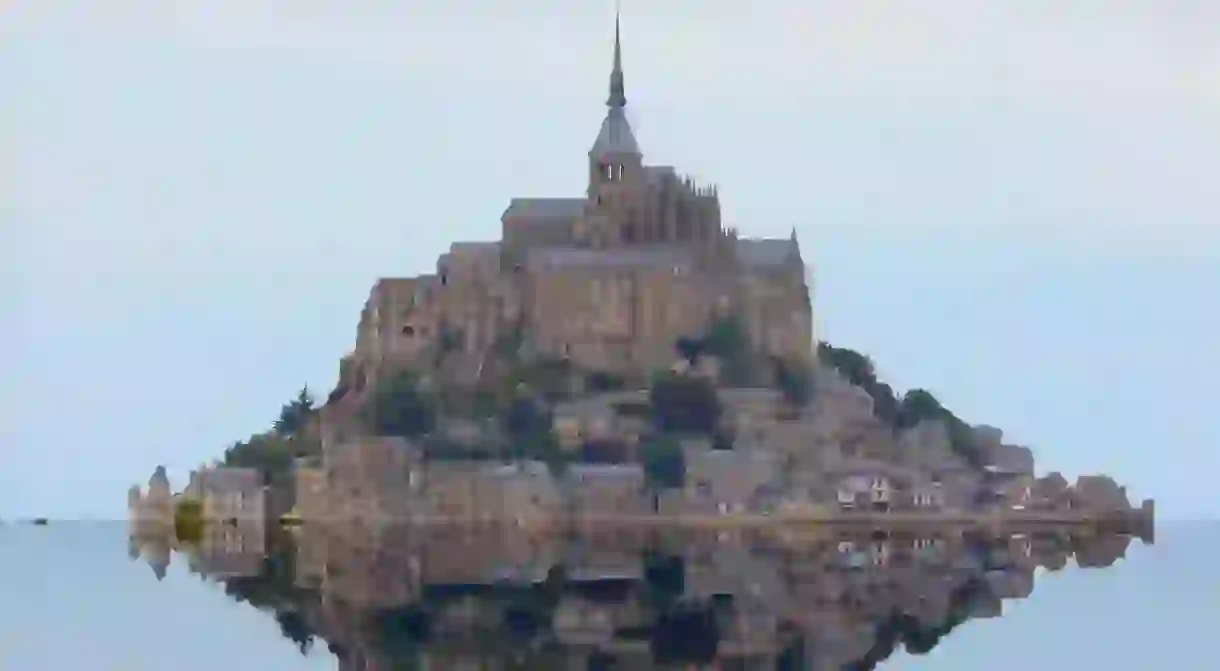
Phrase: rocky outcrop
x=1101 y=494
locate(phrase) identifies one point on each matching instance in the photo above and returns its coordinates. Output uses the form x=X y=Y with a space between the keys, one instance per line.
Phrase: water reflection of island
x=630 y=599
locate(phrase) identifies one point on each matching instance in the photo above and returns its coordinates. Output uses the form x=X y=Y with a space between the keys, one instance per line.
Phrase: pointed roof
x=616 y=136
x=618 y=96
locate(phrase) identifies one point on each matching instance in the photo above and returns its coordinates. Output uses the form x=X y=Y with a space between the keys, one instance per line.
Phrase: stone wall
x=371 y=478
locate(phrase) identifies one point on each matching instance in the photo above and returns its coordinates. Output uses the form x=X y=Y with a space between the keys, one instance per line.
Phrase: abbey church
x=608 y=280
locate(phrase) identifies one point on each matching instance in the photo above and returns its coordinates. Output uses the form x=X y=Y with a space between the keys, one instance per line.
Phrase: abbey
x=608 y=280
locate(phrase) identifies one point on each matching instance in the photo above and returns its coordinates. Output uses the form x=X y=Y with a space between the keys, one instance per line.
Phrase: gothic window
x=619 y=170
x=608 y=172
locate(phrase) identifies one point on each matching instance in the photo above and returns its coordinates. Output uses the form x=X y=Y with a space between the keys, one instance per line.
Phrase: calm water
x=72 y=597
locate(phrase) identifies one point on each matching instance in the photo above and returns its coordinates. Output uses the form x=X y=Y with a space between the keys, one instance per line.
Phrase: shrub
x=400 y=407
x=690 y=348
x=599 y=381
x=915 y=406
x=795 y=381
x=684 y=404
x=664 y=463
x=188 y=521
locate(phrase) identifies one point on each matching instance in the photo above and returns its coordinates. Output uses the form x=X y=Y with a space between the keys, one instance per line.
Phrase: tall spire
x=618 y=98
x=616 y=136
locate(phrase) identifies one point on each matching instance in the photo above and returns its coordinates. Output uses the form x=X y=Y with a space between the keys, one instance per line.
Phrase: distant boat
x=41 y=521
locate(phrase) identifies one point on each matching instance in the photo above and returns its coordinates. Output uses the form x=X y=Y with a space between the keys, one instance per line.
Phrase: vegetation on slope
x=915 y=406
x=274 y=452
x=403 y=406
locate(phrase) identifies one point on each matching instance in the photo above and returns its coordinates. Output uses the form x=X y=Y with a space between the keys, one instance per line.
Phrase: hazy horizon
x=1013 y=208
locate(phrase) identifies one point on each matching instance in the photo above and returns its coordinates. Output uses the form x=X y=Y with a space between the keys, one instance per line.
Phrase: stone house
x=728 y=481
x=454 y=491
x=1008 y=469
x=607 y=490
x=526 y=492
x=925 y=448
x=869 y=485
x=922 y=494
x=598 y=418
x=233 y=494
x=1008 y=475
x=1052 y=492
x=372 y=478
x=471 y=491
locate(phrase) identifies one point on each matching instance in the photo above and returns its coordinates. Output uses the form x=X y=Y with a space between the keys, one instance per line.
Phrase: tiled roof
x=656 y=173
x=474 y=248
x=615 y=136
x=545 y=208
x=763 y=251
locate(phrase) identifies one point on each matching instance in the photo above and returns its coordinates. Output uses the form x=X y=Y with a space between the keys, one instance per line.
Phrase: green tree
x=795 y=381
x=918 y=405
x=295 y=413
x=859 y=371
x=690 y=348
x=727 y=341
x=401 y=407
x=726 y=338
x=188 y=521
x=684 y=403
x=664 y=463
x=270 y=454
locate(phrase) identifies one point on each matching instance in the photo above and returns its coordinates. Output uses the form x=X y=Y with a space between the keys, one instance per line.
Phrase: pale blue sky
x=1016 y=209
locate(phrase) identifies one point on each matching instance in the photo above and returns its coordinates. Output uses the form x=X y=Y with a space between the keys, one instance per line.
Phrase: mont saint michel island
x=618 y=357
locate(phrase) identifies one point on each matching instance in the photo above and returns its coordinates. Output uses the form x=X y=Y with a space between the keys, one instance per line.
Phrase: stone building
x=605 y=490
x=721 y=482
x=609 y=279
x=229 y=493
x=1100 y=493
x=309 y=480
x=371 y=478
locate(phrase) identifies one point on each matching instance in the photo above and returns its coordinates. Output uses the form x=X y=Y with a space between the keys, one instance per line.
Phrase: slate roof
x=757 y=252
x=615 y=136
x=545 y=208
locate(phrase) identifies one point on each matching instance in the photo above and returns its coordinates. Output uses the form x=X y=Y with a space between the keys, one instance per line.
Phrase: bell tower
x=615 y=161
